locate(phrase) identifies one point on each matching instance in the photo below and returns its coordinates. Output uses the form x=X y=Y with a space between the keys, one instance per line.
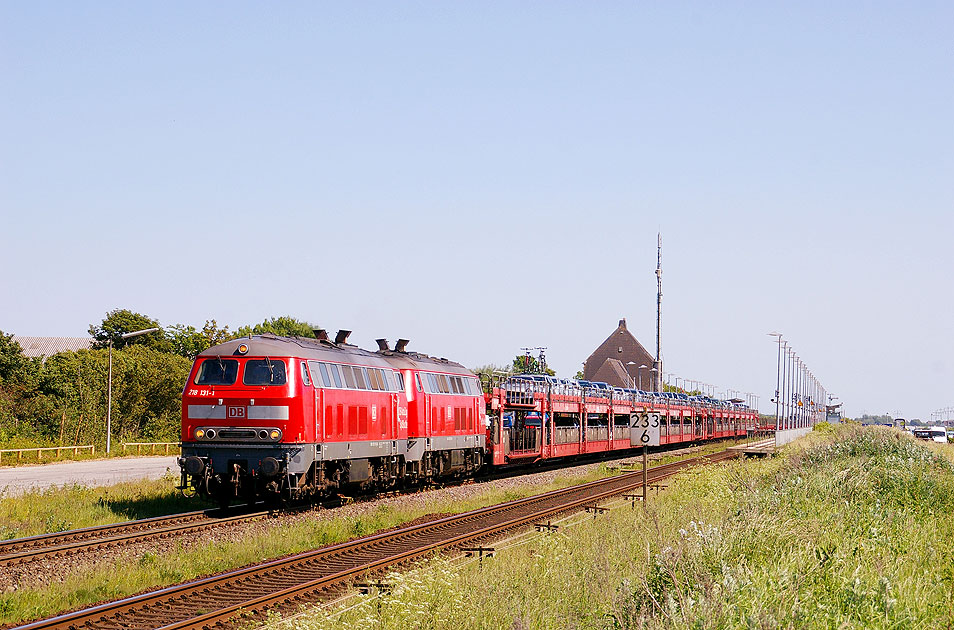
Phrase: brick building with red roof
x=616 y=361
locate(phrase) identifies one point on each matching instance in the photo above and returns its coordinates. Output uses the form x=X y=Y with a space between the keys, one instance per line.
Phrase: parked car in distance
x=932 y=434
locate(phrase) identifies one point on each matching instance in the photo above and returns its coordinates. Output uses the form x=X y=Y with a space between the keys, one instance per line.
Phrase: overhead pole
x=658 y=386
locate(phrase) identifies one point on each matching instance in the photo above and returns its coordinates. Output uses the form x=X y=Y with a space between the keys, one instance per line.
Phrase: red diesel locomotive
x=277 y=417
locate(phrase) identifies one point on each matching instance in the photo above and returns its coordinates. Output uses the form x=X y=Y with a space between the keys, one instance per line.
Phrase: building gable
x=623 y=347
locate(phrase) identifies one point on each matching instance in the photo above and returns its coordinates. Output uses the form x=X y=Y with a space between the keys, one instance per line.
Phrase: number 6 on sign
x=644 y=429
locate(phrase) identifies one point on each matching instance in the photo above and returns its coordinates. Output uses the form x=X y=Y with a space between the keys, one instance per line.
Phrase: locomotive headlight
x=199 y=434
x=275 y=434
x=243 y=349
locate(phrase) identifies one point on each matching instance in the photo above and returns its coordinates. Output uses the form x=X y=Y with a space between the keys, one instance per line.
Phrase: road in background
x=15 y=480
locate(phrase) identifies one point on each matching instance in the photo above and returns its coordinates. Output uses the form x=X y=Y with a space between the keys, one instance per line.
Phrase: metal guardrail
x=151 y=446
x=41 y=449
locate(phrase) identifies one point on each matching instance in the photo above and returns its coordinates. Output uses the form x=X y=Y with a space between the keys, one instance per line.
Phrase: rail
x=70 y=542
x=152 y=446
x=41 y=449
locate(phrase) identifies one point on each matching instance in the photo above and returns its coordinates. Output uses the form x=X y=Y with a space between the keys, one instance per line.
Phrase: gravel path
x=16 y=480
x=43 y=572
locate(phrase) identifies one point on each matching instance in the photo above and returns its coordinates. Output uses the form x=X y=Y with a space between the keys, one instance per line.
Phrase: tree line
x=62 y=399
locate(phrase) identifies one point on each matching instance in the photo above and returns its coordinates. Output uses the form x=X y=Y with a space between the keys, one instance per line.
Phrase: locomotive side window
x=304 y=374
x=217 y=372
x=374 y=378
x=348 y=374
x=360 y=378
x=264 y=372
x=335 y=374
x=319 y=373
x=400 y=381
x=448 y=384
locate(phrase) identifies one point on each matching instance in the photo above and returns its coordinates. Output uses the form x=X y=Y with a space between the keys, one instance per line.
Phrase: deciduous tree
x=122 y=320
x=284 y=326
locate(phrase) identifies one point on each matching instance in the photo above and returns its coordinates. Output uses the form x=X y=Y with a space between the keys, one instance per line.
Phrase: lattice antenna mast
x=658 y=366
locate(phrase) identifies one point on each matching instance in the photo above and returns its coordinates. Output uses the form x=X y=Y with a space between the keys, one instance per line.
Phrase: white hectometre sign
x=644 y=428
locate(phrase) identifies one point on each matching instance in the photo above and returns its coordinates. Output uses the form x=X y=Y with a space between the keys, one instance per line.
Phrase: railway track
x=57 y=544
x=50 y=546
x=206 y=602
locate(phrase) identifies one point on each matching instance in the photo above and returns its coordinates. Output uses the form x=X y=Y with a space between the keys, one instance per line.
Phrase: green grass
x=78 y=507
x=75 y=506
x=850 y=528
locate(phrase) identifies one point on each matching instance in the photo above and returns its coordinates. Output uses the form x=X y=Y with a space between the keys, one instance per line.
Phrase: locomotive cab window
x=217 y=372
x=264 y=372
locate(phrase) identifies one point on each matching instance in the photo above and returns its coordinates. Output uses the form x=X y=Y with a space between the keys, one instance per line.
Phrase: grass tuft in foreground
x=847 y=529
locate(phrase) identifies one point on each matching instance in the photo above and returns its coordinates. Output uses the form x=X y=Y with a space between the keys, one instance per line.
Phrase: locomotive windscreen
x=264 y=372
x=217 y=372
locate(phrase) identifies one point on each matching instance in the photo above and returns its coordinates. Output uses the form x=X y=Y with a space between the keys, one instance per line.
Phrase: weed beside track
x=847 y=530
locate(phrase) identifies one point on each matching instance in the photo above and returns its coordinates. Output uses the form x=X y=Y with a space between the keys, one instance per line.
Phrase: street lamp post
x=109 y=384
x=778 y=378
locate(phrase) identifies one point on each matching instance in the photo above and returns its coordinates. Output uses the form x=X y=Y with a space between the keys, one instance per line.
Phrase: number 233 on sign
x=644 y=429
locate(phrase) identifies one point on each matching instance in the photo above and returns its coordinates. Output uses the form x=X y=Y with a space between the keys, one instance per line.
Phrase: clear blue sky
x=479 y=177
